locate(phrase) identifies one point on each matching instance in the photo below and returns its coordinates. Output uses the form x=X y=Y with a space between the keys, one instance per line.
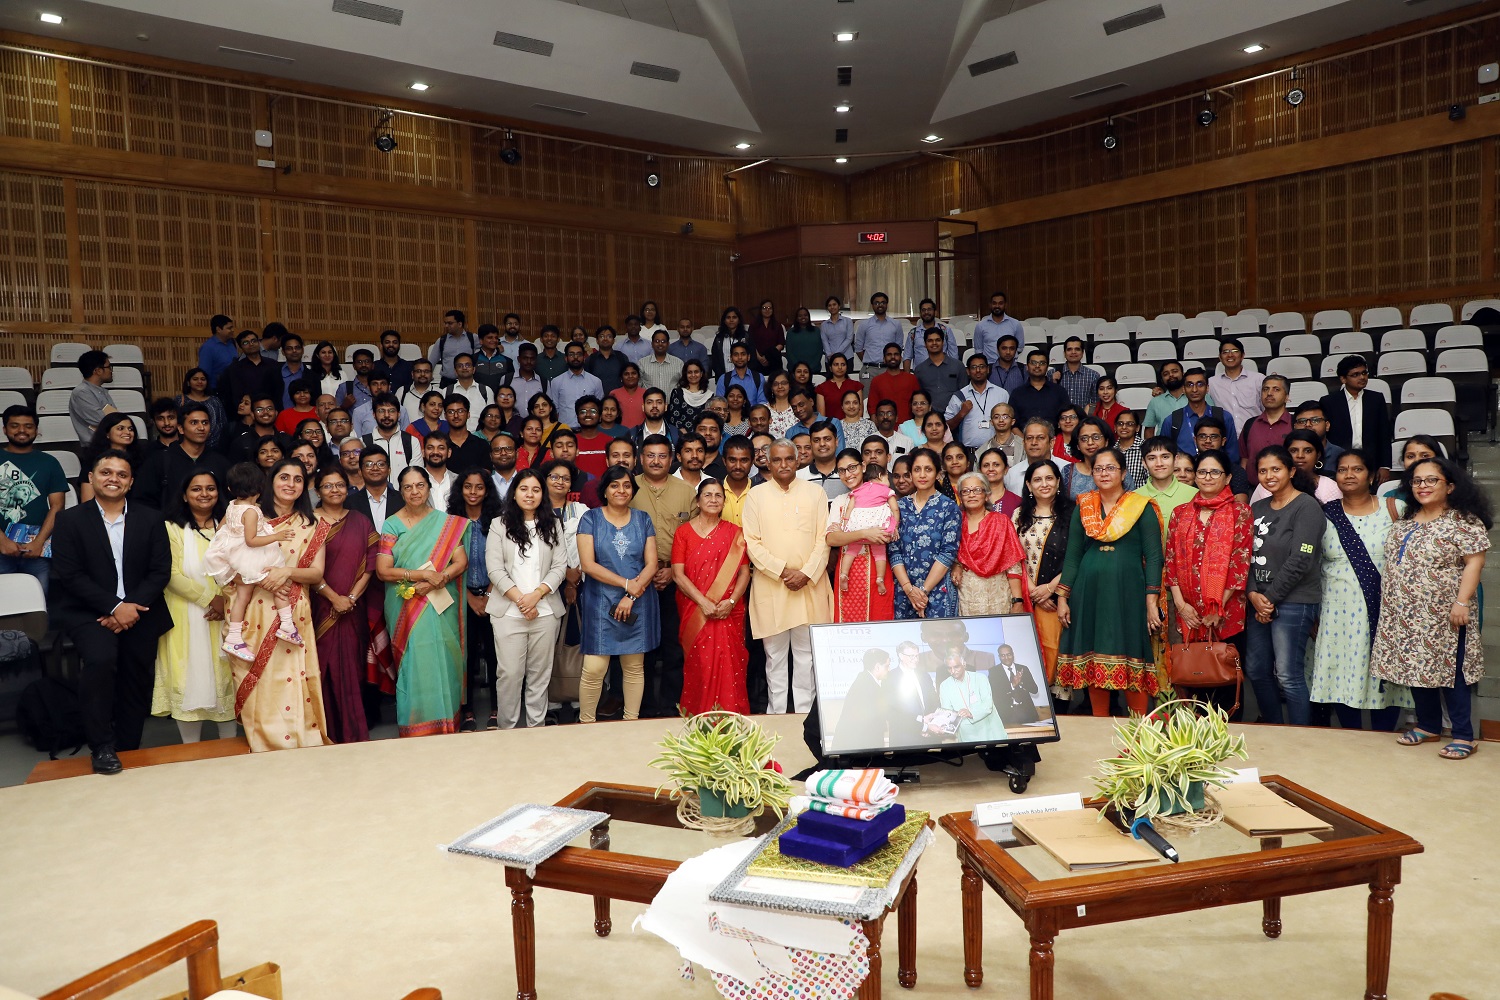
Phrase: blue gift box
x=859 y=833
x=796 y=843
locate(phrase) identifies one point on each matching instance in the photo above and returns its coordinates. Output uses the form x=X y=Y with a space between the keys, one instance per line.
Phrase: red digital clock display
x=872 y=237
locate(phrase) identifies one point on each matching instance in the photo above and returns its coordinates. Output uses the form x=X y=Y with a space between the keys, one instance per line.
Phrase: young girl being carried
x=872 y=504
x=243 y=551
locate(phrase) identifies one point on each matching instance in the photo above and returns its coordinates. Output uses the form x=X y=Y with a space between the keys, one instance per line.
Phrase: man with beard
x=349 y=452
x=401 y=447
x=1040 y=396
x=893 y=384
x=593 y=444
x=466 y=451
x=822 y=471
x=550 y=362
x=761 y=443
x=1008 y=373
x=873 y=335
x=164 y=424
x=165 y=471
x=759 y=419
x=917 y=349
x=362 y=421
x=391 y=362
x=35 y=493
x=607 y=365
x=503 y=462
x=691 y=455
x=574 y=384
x=711 y=429
x=621 y=452
x=990 y=331
x=653 y=407
x=527 y=381
x=806 y=409
x=263 y=409
x=1171 y=399
x=435 y=454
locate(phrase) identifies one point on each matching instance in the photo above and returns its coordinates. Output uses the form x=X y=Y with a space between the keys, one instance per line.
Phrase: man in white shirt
x=968 y=412
x=421 y=384
x=1237 y=390
x=478 y=394
x=896 y=443
x=659 y=370
x=454 y=340
x=503 y=459
x=1036 y=438
x=401 y=448
x=435 y=460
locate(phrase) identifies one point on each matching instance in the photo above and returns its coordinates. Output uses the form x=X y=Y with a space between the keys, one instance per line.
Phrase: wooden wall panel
x=770 y=198
x=1179 y=255
x=28 y=96
x=115 y=108
x=339 y=141
x=918 y=190
x=34 y=285
x=1046 y=268
x=688 y=280
x=547 y=275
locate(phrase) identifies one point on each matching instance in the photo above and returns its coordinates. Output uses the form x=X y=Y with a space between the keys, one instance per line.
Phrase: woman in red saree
x=712 y=571
x=340 y=620
x=868 y=598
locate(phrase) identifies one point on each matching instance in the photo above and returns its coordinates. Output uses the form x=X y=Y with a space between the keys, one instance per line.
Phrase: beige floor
x=327 y=862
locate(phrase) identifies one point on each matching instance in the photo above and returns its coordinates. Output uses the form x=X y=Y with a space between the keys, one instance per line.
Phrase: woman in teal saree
x=422 y=553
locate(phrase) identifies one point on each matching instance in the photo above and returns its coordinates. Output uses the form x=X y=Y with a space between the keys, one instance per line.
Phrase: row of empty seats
x=1250 y=321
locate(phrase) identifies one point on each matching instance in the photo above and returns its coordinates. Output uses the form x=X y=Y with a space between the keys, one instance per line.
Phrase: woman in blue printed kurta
x=926 y=547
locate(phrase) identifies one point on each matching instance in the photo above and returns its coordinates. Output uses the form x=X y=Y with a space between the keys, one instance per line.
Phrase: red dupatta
x=993 y=548
x=268 y=641
x=719 y=587
x=1218 y=547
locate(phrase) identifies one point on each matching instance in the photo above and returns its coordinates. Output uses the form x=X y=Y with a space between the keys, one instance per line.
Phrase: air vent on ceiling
x=846 y=75
x=1134 y=19
x=993 y=63
x=1099 y=90
x=522 y=43
x=232 y=51
x=653 y=72
x=369 y=11
x=560 y=110
x=840 y=135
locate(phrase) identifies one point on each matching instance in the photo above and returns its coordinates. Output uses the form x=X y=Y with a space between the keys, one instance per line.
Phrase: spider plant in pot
x=725 y=759
x=1166 y=757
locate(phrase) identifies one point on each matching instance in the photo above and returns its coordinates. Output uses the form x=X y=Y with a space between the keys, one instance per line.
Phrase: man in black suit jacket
x=1339 y=407
x=910 y=696
x=110 y=565
x=166 y=471
x=1013 y=687
x=861 y=724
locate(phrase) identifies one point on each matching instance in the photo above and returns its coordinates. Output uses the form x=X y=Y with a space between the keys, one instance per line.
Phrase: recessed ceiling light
x=742 y=145
x=932 y=138
x=841 y=108
x=845 y=36
x=841 y=159
x=419 y=86
x=1253 y=48
x=51 y=18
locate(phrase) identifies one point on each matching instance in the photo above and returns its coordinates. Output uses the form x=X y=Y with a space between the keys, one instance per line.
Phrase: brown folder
x=1081 y=841
x=1257 y=811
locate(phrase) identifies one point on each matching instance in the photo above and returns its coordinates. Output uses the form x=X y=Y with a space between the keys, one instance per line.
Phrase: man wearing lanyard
x=968 y=412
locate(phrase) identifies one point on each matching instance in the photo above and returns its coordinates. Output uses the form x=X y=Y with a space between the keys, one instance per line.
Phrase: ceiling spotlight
x=1296 y=95
x=845 y=36
x=742 y=145
x=841 y=108
x=653 y=179
x=841 y=159
x=510 y=155
x=418 y=86
x=1253 y=48
x=932 y=138
x=1206 y=117
x=50 y=18
x=1111 y=140
x=385 y=141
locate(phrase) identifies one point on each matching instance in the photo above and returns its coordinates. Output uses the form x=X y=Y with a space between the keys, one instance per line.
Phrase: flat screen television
x=944 y=685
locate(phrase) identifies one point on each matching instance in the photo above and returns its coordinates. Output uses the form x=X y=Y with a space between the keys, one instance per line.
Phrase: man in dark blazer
x=910 y=697
x=110 y=565
x=1014 y=689
x=861 y=724
x=1355 y=399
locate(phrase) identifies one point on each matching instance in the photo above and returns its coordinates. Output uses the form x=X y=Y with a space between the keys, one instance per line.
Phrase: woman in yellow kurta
x=193 y=680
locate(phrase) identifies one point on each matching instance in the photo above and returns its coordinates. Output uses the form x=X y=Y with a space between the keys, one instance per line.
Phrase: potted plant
x=723 y=759
x=1166 y=758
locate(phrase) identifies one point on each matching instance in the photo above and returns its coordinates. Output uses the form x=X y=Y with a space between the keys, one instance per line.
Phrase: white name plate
x=996 y=813
x=1244 y=776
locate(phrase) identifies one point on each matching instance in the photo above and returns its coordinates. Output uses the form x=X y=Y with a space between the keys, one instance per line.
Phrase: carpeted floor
x=327 y=861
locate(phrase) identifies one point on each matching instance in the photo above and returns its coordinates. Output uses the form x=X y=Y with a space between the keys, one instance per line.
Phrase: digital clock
x=872 y=237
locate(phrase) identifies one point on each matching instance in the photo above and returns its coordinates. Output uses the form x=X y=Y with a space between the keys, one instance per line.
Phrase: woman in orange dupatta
x=279 y=695
x=990 y=573
x=711 y=570
x=422 y=552
x=1109 y=601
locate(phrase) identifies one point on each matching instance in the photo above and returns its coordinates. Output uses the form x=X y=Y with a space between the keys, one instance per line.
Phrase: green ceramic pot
x=711 y=804
x=1195 y=801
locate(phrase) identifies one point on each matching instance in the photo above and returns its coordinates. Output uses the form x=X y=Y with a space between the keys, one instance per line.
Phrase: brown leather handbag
x=1205 y=664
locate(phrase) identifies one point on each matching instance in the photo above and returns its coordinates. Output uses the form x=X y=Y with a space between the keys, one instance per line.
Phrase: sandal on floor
x=1416 y=737
x=1458 y=750
x=467 y=725
x=494 y=722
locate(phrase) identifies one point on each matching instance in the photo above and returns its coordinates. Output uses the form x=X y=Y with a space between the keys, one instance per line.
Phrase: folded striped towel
x=856 y=794
x=837 y=807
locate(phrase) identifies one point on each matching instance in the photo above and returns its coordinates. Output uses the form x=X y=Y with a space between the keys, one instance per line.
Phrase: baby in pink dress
x=871 y=504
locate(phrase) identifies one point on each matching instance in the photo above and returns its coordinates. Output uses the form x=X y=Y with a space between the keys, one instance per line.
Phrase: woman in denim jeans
x=1286 y=583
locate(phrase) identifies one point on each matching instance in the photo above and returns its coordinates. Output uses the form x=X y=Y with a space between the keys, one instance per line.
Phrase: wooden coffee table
x=1220 y=866
x=604 y=874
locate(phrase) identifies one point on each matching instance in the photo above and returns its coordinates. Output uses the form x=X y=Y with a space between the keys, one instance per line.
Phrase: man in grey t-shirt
x=90 y=401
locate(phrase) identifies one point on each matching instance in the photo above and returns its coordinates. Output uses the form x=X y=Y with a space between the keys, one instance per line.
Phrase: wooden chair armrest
x=198 y=943
x=425 y=993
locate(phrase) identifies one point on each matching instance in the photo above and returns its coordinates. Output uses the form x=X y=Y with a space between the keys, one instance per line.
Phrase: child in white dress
x=242 y=552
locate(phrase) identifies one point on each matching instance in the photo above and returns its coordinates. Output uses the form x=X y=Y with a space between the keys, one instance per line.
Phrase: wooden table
x=1220 y=867
x=597 y=871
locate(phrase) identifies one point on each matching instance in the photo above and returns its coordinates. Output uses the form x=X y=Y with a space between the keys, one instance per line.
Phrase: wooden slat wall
x=767 y=197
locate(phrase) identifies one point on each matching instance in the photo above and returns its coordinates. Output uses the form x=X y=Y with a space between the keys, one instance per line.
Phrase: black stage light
x=1456 y=113
x=653 y=179
x=1111 y=141
x=1296 y=95
x=510 y=155
x=384 y=140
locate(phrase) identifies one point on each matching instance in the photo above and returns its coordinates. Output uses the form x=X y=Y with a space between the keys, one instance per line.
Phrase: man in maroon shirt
x=1272 y=425
x=893 y=384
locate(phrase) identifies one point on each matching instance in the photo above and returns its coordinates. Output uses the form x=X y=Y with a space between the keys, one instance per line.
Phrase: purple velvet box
x=795 y=843
x=854 y=832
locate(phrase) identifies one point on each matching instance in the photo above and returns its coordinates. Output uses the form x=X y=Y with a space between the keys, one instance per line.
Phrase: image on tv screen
x=943 y=684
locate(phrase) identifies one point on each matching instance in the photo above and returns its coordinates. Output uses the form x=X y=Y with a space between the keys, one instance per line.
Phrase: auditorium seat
x=1198 y=326
x=1352 y=342
x=1215 y=317
x=52 y=402
x=67 y=353
x=1071 y=319
x=1110 y=356
x=1062 y=331
x=1173 y=321
x=1257 y=347
x=1328 y=372
x=9 y=398
x=1457 y=336
x=141 y=433
x=1286 y=322
x=1430 y=317
x=1107 y=332
x=1055 y=356
x=1131 y=323
x=1304 y=392
x=1469 y=369
x=1135 y=397
x=72 y=497
x=1156 y=351
x=1295 y=368
x=1475 y=307
x=1429 y=390
x=1403 y=340
x=1381 y=318
x=408 y=352
x=128 y=400
x=1399 y=366
x=55 y=432
x=1331 y=321
x=1089 y=324
x=61 y=378
x=372 y=348
x=1431 y=421
x=1300 y=344
x=71 y=466
x=1241 y=324
x=127 y=378
x=1135 y=374
x=124 y=354
x=1156 y=329
x=1261 y=316
x=23 y=606
x=12 y=377
x=1200 y=350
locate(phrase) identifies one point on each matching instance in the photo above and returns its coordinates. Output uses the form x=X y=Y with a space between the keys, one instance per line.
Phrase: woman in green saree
x=422 y=552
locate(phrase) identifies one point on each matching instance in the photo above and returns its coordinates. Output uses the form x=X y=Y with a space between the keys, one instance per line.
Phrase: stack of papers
x=1256 y=811
x=1081 y=841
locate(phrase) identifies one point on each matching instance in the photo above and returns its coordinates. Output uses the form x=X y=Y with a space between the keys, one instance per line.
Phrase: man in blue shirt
x=1182 y=426
x=685 y=348
x=871 y=336
x=634 y=346
x=988 y=331
x=968 y=412
x=572 y=385
x=292 y=369
x=915 y=350
x=217 y=352
x=741 y=375
x=1008 y=373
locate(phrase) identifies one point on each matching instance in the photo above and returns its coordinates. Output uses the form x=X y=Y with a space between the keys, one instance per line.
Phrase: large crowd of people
x=645 y=524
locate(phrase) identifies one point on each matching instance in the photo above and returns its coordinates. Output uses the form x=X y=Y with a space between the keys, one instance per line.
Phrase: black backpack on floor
x=49 y=717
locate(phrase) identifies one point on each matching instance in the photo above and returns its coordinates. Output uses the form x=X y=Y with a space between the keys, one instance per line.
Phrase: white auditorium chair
x=1285 y=323
x=12 y=377
x=1191 y=365
x=1062 y=331
x=1256 y=346
x=1381 y=386
x=1262 y=316
x=1096 y=368
x=61 y=378
x=1056 y=356
x=1300 y=345
x=349 y=351
x=1381 y=318
x=1110 y=356
x=1328 y=373
x=9 y=398
x=1198 y=326
x=1402 y=340
x=1399 y=367
x=1305 y=392
x=1427 y=420
x=1429 y=390
x=1072 y=319
x=129 y=400
x=1156 y=329
x=23 y=606
x=1430 y=316
x=71 y=466
x=1457 y=336
x=1352 y=342
x=52 y=402
x=408 y=352
x=1131 y=323
x=1089 y=323
x=1111 y=332
x=1135 y=374
x=1156 y=351
x=1215 y=317
x=1172 y=320
x=1200 y=350
x=1241 y=324
x=1332 y=321
x=1295 y=368
x=1475 y=306
x=140 y=428
x=56 y=432
x=67 y=353
x=1135 y=397
x=124 y=354
x=1469 y=369
x=127 y=378
x=1040 y=321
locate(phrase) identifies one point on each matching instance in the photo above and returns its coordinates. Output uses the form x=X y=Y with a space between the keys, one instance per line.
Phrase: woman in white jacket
x=526 y=555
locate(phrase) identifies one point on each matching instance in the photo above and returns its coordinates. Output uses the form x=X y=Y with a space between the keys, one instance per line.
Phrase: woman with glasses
x=1428 y=637
x=869 y=594
x=1067 y=422
x=926 y=546
x=1417 y=448
x=1208 y=558
x=342 y=624
x=916 y=427
x=1108 y=600
x=1090 y=436
x=1353 y=556
x=783 y=417
x=990 y=572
